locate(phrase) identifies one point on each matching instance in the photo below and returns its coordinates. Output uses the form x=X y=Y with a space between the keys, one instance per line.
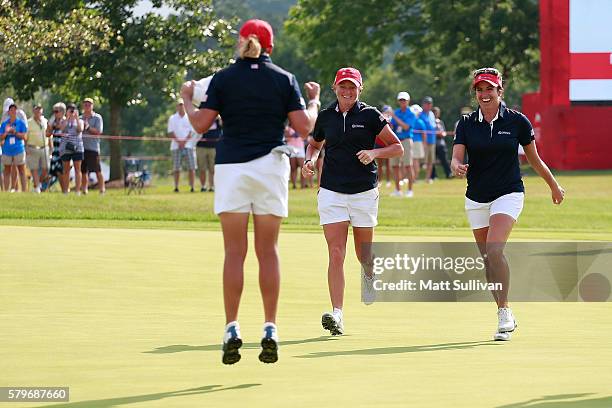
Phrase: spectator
x=37 y=148
x=441 y=151
x=296 y=160
x=403 y=121
x=206 y=149
x=71 y=147
x=54 y=132
x=180 y=130
x=384 y=167
x=21 y=115
x=418 y=151
x=13 y=133
x=429 y=139
x=93 y=126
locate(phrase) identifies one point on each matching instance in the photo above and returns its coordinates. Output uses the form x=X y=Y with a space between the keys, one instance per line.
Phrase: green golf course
x=119 y=298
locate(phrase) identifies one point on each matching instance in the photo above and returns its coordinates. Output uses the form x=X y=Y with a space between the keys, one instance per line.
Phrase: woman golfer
x=254 y=98
x=348 y=193
x=495 y=191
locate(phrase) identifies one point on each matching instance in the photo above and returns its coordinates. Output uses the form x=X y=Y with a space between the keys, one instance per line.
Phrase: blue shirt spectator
x=429 y=121
x=409 y=118
x=12 y=144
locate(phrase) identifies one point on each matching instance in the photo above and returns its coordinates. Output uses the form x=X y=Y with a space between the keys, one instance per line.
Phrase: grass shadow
x=563 y=401
x=179 y=348
x=400 y=349
x=113 y=402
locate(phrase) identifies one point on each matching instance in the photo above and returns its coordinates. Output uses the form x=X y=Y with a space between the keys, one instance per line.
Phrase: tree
x=73 y=29
x=147 y=51
x=446 y=38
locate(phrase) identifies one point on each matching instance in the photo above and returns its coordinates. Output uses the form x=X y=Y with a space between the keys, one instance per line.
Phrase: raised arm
x=303 y=121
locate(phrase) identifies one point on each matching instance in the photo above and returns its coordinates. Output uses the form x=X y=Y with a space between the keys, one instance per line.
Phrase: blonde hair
x=250 y=47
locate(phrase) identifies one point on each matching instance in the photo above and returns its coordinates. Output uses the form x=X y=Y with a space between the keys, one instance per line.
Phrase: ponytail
x=250 y=47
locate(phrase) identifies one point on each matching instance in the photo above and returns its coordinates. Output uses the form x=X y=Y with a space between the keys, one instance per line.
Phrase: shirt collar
x=261 y=58
x=356 y=107
x=500 y=113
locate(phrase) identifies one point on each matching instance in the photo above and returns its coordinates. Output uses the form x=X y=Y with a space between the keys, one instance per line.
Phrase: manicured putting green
x=134 y=318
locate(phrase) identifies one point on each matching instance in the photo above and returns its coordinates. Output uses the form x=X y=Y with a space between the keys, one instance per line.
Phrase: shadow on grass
x=113 y=402
x=400 y=349
x=178 y=348
x=562 y=401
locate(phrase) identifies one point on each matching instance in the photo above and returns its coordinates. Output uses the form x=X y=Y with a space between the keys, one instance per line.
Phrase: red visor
x=490 y=78
x=348 y=74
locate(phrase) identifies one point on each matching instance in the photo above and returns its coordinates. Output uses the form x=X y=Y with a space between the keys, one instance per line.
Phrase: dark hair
x=11 y=106
x=71 y=107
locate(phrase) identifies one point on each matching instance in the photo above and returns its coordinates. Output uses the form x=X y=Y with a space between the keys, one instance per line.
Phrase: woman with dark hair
x=71 y=147
x=254 y=98
x=495 y=192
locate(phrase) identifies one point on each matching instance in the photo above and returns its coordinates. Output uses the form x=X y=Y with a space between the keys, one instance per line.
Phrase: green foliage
x=46 y=32
x=434 y=43
x=142 y=52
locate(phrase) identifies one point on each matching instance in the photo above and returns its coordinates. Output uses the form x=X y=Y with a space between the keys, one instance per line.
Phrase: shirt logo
x=504 y=132
x=382 y=118
x=357 y=126
x=254 y=66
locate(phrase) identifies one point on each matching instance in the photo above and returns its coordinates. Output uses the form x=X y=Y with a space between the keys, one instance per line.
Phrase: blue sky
x=145 y=6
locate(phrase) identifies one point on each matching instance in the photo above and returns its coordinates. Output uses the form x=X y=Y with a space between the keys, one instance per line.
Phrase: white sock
x=230 y=324
x=266 y=324
x=337 y=312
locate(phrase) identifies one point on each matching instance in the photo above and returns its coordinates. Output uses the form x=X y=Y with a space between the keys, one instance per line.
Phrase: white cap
x=199 y=91
x=416 y=108
x=7 y=102
x=403 y=95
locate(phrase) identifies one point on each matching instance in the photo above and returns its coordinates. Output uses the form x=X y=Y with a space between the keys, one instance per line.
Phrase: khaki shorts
x=37 y=158
x=418 y=152
x=406 y=159
x=18 y=159
x=206 y=158
x=430 y=153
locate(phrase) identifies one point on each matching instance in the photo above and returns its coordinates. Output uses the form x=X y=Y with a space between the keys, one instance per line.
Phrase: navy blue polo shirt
x=345 y=136
x=212 y=136
x=493 y=152
x=253 y=97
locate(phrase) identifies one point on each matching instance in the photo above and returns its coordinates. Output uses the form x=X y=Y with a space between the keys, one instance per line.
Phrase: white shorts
x=259 y=186
x=479 y=213
x=298 y=152
x=360 y=209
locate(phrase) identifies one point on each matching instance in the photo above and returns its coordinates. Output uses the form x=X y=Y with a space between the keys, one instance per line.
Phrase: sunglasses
x=492 y=71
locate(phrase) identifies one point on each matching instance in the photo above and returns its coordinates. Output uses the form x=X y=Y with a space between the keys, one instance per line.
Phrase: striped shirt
x=71 y=135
